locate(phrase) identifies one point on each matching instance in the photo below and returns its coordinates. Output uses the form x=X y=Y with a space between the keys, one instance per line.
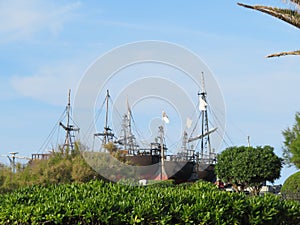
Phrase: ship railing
x=207 y=159
x=179 y=158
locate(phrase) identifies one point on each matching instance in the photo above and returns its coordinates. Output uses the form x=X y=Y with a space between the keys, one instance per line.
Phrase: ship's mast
x=107 y=134
x=184 y=142
x=125 y=130
x=205 y=138
x=128 y=116
x=184 y=145
x=163 y=174
x=68 y=134
x=106 y=118
x=128 y=139
x=69 y=143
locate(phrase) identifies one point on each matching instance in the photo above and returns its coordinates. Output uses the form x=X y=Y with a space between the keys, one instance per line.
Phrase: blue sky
x=46 y=46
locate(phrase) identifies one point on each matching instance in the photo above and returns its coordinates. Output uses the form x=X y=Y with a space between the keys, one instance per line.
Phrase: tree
x=59 y=168
x=5 y=174
x=115 y=152
x=248 y=167
x=291 y=184
x=291 y=16
x=291 y=148
x=81 y=171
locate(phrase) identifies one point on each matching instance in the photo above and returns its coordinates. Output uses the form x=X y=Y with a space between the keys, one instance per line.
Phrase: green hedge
x=291 y=187
x=106 y=203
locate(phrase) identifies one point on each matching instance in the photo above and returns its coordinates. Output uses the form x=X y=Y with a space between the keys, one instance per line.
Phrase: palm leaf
x=283 y=54
x=288 y=15
x=297 y=2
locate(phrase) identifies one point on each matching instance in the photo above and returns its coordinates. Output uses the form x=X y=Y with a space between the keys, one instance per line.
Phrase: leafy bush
x=291 y=187
x=270 y=209
x=58 y=169
x=98 y=202
x=163 y=183
x=249 y=167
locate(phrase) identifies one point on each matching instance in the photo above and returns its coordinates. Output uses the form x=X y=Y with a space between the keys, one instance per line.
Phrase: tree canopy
x=245 y=167
x=291 y=148
x=291 y=16
x=59 y=168
x=292 y=184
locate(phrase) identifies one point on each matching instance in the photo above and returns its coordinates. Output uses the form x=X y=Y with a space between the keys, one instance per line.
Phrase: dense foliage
x=58 y=169
x=291 y=186
x=248 y=167
x=97 y=202
x=292 y=143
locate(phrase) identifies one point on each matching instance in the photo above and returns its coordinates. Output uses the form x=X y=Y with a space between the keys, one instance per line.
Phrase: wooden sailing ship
x=154 y=161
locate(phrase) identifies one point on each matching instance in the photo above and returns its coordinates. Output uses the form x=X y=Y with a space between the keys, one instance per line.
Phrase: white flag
x=188 y=123
x=202 y=104
x=165 y=117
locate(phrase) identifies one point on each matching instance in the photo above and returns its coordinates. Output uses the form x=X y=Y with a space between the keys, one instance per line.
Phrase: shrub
x=291 y=187
x=98 y=202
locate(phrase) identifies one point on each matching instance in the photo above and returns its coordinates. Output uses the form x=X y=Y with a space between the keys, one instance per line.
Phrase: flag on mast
x=202 y=104
x=188 y=123
x=165 y=118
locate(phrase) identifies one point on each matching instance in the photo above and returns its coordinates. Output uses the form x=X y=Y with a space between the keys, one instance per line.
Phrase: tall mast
x=128 y=116
x=204 y=122
x=107 y=134
x=205 y=132
x=202 y=133
x=162 y=154
x=106 y=118
x=130 y=136
x=125 y=131
x=68 y=136
x=184 y=142
x=68 y=145
x=128 y=140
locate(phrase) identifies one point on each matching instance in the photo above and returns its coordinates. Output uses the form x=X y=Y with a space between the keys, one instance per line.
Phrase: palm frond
x=283 y=54
x=296 y=2
x=288 y=15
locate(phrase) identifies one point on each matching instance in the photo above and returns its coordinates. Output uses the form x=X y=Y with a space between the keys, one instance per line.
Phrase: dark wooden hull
x=179 y=171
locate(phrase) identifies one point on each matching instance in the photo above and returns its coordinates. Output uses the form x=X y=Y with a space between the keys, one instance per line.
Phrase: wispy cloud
x=6 y=91
x=50 y=83
x=23 y=19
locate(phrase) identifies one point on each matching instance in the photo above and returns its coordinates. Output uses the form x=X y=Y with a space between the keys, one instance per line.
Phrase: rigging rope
x=51 y=134
x=93 y=122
